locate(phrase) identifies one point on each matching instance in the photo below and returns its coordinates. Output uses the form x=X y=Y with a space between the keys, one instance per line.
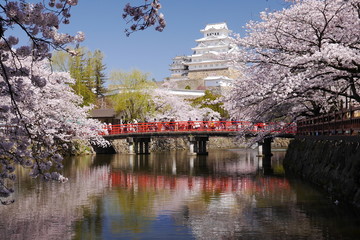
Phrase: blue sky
x=151 y=51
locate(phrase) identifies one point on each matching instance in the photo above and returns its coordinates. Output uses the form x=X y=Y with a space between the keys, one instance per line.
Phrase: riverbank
x=333 y=163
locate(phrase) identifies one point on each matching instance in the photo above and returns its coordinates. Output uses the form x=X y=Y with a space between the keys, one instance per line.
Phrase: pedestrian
x=110 y=128
x=154 y=126
x=212 y=123
x=135 y=125
x=205 y=122
x=197 y=124
x=190 y=123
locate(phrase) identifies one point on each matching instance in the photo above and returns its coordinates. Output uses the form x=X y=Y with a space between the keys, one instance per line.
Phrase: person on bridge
x=154 y=125
x=134 y=125
x=190 y=124
x=212 y=124
x=109 y=128
x=197 y=124
x=172 y=124
x=223 y=123
x=205 y=122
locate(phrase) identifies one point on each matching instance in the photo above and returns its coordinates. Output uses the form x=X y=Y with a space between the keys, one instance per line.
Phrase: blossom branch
x=144 y=16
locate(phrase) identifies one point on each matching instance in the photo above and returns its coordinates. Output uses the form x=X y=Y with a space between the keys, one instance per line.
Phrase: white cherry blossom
x=300 y=61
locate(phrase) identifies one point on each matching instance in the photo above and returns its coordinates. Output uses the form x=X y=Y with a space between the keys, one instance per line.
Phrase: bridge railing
x=202 y=126
x=343 y=122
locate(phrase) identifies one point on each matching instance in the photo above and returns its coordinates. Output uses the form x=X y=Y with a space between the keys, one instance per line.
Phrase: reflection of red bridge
x=197 y=183
x=200 y=126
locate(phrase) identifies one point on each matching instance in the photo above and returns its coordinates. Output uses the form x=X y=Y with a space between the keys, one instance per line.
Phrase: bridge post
x=264 y=154
x=142 y=145
x=136 y=147
x=139 y=145
x=147 y=147
x=202 y=146
x=197 y=145
x=264 y=147
x=267 y=147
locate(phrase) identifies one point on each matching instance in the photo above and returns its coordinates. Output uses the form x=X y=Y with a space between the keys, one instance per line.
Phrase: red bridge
x=204 y=127
x=139 y=135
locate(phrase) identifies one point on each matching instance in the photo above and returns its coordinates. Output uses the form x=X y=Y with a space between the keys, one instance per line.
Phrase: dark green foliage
x=210 y=100
x=86 y=68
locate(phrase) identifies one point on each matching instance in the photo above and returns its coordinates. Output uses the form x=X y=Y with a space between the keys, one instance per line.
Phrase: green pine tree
x=99 y=75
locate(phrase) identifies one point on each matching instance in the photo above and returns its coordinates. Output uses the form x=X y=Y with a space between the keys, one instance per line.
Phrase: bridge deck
x=197 y=128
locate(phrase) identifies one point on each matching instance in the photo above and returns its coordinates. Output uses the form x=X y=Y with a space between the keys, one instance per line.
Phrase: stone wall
x=195 y=79
x=201 y=74
x=192 y=83
x=79 y=147
x=332 y=163
x=120 y=145
x=159 y=144
x=280 y=143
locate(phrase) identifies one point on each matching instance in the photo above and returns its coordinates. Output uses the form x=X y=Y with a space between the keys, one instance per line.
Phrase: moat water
x=229 y=194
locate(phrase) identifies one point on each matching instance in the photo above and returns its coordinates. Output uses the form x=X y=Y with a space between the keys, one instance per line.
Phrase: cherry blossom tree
x=42 y=124
x=170 y=106
x=299 y=61
x=140 y=99
x=31 y=130
x=39 y=114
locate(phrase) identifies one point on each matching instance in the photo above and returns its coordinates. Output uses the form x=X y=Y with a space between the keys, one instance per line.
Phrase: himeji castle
x=206 y=68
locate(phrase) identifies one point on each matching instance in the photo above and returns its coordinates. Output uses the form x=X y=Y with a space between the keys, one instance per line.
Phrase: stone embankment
x=159 y=144
x=332 y=163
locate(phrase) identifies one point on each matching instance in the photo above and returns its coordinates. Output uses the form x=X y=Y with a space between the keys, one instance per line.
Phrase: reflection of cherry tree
x=51 y=212
x=238 y=216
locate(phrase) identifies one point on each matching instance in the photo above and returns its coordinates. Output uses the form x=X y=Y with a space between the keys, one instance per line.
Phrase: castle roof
x=215 y=26
x=212 y=38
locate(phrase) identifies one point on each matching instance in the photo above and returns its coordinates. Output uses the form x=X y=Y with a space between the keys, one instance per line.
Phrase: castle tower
x=205 y=68
x=179 y=67
x=215 y=41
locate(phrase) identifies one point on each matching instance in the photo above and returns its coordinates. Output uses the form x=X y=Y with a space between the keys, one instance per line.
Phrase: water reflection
x=47 y=210
x=177 y=163
x=230 y=194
